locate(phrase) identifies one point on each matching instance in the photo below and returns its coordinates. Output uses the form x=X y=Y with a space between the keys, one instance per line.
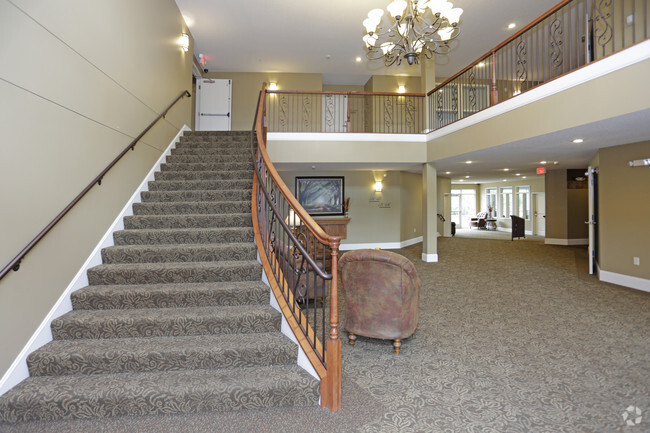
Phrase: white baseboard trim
x=566 y=242
x=381 y=245
x=18 y=371
x=624 y=280
x=430 y=258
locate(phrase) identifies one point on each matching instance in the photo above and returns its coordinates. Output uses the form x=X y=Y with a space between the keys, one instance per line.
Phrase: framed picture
x=321 y=195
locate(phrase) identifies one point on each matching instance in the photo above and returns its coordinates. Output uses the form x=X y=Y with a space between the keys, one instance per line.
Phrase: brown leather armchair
x=382 y=294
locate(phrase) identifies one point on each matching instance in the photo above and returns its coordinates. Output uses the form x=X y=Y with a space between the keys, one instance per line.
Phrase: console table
x=490 y=224
x=334 y=226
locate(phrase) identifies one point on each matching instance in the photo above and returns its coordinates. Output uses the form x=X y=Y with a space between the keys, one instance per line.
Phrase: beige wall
x=76 y=87
x=624 y=209
x=376 y=217
x=246 y=87
x=556 y=205
x=390 y=83
x=411 y=206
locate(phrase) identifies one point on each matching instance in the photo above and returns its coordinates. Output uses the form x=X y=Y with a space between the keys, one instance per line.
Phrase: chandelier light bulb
x=454 y=15
x=396 y=8
x=445 y=34
x=370 y=40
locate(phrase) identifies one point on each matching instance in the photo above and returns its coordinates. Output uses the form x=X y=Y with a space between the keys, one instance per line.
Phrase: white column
x=429 y=213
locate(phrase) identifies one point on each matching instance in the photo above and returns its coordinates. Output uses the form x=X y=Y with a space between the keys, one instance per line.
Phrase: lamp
x=292 y=219
x=401 y=89
x=410 y=28
x=273 y=86
x=184 y=42
x=378 y=186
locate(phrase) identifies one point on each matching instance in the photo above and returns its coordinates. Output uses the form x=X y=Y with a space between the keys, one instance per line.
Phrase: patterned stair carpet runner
x=176 y=318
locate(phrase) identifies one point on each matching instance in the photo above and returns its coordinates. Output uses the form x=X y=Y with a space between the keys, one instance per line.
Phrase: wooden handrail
x=539 y=19
x=15 y=263
x=338 y=92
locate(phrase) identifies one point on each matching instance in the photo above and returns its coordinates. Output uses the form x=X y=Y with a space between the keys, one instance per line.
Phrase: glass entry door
x=463 y=207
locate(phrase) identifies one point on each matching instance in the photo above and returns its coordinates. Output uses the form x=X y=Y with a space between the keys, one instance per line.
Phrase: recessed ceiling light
x=512 y=25
x=447 y=172
x=506 y=169
x=358 y=59
x=578 y=140
x=466 y=177
x=518 y=174
x=542 y=162
x=524 y=177
x=468 y=162
x=461 y=180
x=504 y=180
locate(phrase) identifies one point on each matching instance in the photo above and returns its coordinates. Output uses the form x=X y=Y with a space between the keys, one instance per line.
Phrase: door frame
x=534 y=196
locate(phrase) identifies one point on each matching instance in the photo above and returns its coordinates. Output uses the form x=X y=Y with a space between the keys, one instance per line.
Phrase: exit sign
x=541 y=170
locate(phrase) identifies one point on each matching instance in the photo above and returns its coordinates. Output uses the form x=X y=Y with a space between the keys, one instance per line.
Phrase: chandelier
x=416 y=27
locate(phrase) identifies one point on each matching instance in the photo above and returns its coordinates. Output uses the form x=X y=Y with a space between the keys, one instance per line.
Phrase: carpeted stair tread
x=129 y=296
x=197 y=149
x=212 y=158
x=207 y=235
x=188 y=221
x=203 y=175
x=103 y=356
x=195 y=207
x=165 y=322
x=199 y=166
x=197 y=195
x=192 y=272
x=188 y=185
x=187 y=391
x=179 y=253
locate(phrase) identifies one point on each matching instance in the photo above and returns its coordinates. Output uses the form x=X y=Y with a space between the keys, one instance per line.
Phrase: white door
x=592 y=218
x=540 y=215
x=214 y=101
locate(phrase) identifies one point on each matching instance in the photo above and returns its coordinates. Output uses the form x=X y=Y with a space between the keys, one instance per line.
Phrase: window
x=523 y=202
x=506 y=202
x=463 y=206
x=491 y=201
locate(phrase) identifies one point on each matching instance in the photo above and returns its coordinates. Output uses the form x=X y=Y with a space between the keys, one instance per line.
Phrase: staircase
x=176 y=319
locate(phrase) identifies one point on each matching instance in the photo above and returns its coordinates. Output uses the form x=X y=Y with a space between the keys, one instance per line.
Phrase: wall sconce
x=401 y=89
x=273 y=86
x=379 y=186
x=640 y=163
x=184 y=42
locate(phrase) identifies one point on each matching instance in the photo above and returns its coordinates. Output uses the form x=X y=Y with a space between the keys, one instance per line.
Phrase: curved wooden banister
x=324 y=356
x=15 y=263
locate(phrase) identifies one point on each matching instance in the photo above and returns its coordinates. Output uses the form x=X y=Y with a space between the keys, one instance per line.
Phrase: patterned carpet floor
x=514 y=337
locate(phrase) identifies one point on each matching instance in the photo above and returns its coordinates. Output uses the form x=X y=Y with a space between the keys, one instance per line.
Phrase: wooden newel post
x=494 y=95
x=330 y=393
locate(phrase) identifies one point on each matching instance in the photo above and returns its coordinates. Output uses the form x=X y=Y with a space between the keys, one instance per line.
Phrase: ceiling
x=311 y=36
x=325 y=37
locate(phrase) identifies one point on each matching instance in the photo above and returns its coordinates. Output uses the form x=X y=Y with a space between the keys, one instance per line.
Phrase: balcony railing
x=569 y=36
x=394 y=113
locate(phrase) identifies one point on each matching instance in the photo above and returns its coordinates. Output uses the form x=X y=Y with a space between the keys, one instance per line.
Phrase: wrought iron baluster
x=556 y=42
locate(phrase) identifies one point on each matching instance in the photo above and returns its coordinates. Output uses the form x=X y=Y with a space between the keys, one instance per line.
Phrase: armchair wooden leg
x=352 y=339
x=397 y=344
